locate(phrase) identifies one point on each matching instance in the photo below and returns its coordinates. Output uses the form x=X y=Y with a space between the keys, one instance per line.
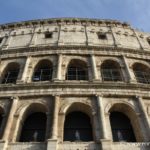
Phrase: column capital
x=138 y=97
x=99 y=95
x=14 y=97
x=56 y=95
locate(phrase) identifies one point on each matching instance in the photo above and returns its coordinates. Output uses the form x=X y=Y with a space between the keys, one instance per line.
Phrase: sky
x=135 y=12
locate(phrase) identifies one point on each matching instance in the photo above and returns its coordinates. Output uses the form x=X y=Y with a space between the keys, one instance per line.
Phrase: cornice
x=69 y=84
x=87 y=50
x=50 y=88
x=59 y=21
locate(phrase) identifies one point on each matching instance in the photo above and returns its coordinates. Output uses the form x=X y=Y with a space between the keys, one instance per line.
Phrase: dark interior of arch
x=34 y=128
x=110 y=71
x=77 y=70
x=1 y=120
x=43 y=71
x=77 y=127
x=11 y=73
x=121 y=127
x=142 y=73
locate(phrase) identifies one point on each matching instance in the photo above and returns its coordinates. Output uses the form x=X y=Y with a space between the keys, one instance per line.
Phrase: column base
x=52 y=144
x=132 y=81
x=105 y=144
x=96 y=80
x=57 y=80
x=20 y=82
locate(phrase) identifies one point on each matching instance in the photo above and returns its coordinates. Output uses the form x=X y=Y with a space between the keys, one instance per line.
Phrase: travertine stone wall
x=74 y=39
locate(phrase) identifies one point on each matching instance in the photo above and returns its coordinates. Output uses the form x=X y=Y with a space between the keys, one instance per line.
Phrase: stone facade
x=74 y=39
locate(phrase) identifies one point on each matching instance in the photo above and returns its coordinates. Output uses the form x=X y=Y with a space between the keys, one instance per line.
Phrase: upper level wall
x=69 y=33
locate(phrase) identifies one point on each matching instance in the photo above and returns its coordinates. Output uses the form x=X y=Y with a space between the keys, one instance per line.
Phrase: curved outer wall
x=74 y=39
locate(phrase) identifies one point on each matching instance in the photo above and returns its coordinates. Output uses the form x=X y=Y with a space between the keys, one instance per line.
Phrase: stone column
x=33 y=38
x=7 y=40
x=94 y=69
x=24 y=71
x=52 y=142
x=130 y=75
x=115 y=39
x=138 y=39
x=144 y=114
x=26 y=67
x=102 y=116
x=105 y=141
x=10 y=121
x=55 y=117
x=58 y=70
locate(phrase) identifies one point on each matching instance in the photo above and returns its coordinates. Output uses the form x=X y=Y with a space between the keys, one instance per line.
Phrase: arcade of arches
x=79 y=125
x=110 y=70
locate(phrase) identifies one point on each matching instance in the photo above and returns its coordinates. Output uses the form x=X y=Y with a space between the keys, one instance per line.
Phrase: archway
x=10 y=74
x=111 y=71
x=43 y=71
x=34 y=128
x=77 y=70
x=142 y=73
x=129 y=112
x=77 y=127
x=121 y=127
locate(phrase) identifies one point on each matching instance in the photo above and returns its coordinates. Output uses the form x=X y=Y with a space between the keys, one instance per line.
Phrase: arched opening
x=77 y=127
x=142 y=73
x=1 y=121
x=34 y=128
x=10 y=74
x=43 y=71
x=111 y=71
x=121 y=127
x=77 y=70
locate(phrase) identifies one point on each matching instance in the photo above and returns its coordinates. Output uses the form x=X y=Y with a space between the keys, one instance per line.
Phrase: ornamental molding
x=64 y=21
x=87 y=50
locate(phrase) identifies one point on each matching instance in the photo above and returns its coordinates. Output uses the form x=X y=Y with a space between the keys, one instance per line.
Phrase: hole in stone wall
x=102 y=36
x=48 y=35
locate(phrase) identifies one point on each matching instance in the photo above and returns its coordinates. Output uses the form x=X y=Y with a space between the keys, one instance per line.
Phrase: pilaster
x=55 y=117
x=144 y=115
x=94 y=69
x=10 y=122
x=33 y=39
x=59 y=68
x=128 y=71
x=25 y=71
x=102 y=116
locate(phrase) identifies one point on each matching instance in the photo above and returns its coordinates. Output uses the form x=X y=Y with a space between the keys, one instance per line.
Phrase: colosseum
x=74 y=84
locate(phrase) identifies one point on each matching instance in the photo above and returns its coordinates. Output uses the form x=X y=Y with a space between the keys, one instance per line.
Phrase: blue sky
x=135 y=12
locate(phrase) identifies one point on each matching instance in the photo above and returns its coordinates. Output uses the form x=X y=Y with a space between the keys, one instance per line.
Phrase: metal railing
x=111 y=75
x=10 y=77
x=42 y=75
x=142 y=77
x=75 y=73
